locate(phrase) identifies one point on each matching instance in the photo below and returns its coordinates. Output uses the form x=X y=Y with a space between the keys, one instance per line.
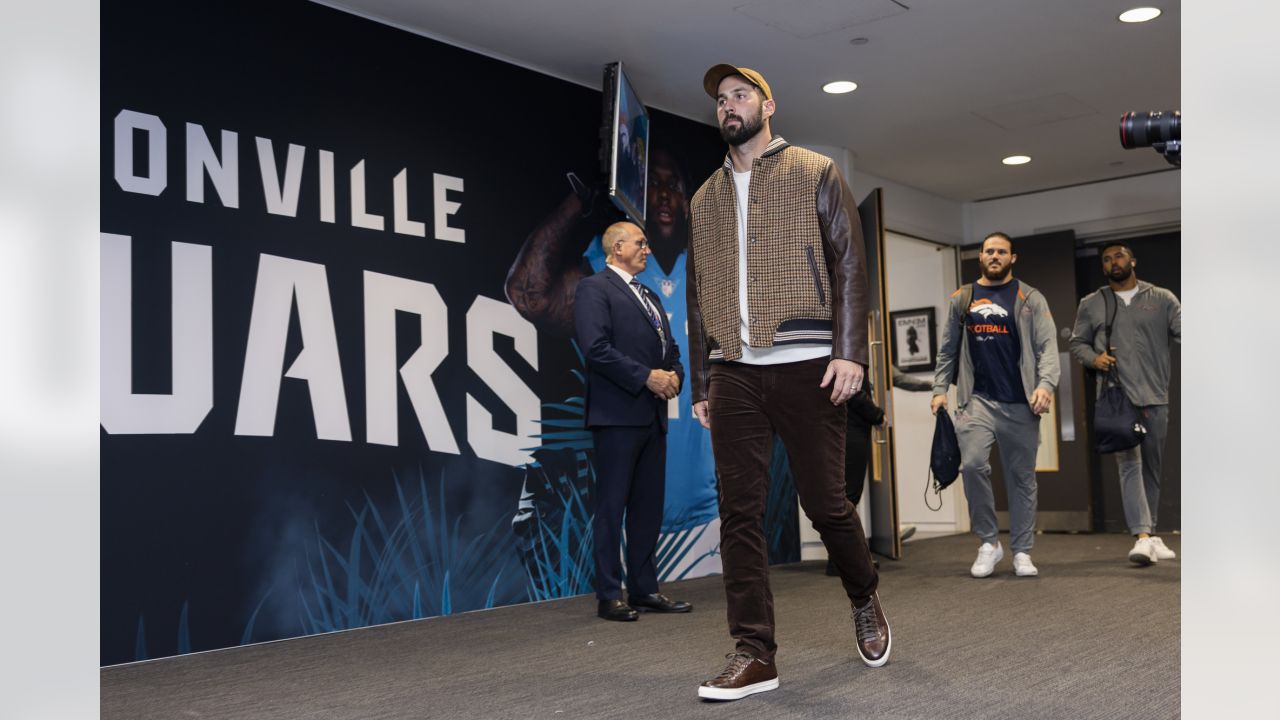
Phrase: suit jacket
x=621 y=346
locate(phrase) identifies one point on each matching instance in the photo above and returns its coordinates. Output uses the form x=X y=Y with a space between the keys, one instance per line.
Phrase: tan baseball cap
x=711 y=81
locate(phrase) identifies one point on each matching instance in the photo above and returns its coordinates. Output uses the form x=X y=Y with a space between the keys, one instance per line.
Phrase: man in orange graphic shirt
x=999 y=349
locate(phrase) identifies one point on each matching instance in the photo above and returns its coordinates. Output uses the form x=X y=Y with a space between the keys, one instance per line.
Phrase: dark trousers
x=857 y=448
x=748 y=404
x=631 y=467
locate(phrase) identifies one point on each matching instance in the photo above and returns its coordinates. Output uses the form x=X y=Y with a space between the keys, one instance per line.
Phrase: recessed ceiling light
x=840 y=87
x=1138 y=15
x=1016 y=160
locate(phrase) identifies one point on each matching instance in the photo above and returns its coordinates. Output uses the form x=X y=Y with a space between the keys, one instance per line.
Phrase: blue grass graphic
x=409 y=563
x=182 y=645
x=559 y=561
x=555 y=512
x=674 y=547
x=247 y=636
x=184 y=631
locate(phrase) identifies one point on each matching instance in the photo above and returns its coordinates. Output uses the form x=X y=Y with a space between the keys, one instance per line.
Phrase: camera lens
x=1142 y=129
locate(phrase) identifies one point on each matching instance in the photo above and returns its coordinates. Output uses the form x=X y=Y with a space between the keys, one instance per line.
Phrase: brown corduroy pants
x=748 y=404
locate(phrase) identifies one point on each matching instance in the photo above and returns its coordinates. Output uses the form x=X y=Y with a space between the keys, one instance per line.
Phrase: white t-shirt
x=770 y=355
x=1127 y=295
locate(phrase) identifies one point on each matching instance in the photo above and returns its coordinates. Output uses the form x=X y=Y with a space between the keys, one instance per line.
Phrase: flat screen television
x=624 y=152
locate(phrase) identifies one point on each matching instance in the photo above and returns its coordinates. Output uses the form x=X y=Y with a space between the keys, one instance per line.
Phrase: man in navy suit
x=633 y=369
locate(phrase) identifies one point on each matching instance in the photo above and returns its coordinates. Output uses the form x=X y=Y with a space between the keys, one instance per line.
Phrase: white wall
x=1137 y=205
x=912 y=211
x=906 y=209
x=842 y=157
x=920 y=275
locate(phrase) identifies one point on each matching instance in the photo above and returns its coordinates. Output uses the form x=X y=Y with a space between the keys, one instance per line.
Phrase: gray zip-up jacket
x=1142 y=334
x=1039 y=350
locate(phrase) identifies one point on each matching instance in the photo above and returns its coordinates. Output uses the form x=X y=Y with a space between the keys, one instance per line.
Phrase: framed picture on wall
x=915 y=339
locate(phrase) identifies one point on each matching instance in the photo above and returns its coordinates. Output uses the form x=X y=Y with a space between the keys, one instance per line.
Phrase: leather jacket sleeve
x=699 y=377
x=846 y=258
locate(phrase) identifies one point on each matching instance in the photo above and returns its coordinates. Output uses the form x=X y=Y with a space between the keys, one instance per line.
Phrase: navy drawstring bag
x=944 y=458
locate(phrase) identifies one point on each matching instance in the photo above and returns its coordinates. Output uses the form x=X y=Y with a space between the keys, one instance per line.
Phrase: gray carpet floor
x=1092 y=637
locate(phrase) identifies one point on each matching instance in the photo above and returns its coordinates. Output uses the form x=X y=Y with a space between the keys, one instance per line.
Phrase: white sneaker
x=988 y=556
x=1162 y=552
x=1143 y=553
x=1022 y=566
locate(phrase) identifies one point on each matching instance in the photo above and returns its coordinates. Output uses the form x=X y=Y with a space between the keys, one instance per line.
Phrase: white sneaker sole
x=1026 y=573
x=1144 y=560
x=710 y=693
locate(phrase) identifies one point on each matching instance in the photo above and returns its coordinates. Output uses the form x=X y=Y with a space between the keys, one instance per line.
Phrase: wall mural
x=337 y=384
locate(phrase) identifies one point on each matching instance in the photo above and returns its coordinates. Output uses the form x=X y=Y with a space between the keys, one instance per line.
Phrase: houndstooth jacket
x=806 y=262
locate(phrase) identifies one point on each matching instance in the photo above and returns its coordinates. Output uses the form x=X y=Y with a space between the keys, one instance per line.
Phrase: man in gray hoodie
x=1125 y=330
x=999 y=349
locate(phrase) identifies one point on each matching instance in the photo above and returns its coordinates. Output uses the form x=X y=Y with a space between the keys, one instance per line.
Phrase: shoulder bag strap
x=1112 y=306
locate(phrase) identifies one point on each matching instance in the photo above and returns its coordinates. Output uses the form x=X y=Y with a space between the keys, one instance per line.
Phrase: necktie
x=651 y=311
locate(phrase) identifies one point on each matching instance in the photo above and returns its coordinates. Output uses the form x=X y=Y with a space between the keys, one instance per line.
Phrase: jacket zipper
x=813 y=268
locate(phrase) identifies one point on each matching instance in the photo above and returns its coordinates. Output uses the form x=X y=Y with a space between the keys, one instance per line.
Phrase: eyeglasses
x=642 y=243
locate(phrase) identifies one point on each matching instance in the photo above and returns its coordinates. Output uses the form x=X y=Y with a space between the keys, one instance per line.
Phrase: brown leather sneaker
x=872 y=629
x=743 y=676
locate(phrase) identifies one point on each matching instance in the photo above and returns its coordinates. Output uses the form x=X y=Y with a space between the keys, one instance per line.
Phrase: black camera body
x=1159 y=130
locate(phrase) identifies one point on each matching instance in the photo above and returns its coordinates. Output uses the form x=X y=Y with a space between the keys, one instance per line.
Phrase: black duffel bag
x=1117 y=424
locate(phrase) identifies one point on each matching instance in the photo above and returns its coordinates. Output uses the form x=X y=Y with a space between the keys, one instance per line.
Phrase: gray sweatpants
x=1017 y=430
x=1140 y=471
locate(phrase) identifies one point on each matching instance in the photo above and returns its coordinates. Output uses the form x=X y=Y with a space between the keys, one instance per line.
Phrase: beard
x=996 y=275
x=747 y=129
x=1120 y=274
